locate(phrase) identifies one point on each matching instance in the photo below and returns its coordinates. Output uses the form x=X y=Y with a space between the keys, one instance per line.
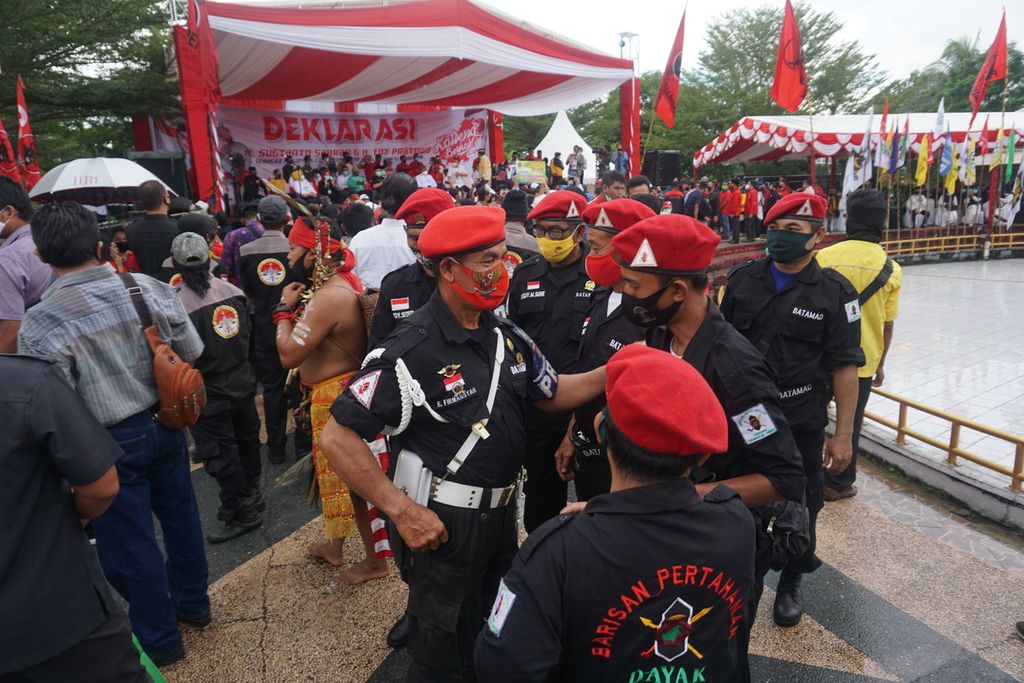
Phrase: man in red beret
x=326 y=340
x=665 y=287
x=805 y=320
x=405 y=290
x=450 y=387
x=652 y=581
x=581 y=458
x=548 y=298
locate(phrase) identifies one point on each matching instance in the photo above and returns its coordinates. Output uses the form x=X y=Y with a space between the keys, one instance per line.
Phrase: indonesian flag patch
x=532 y=284
x=400 y=304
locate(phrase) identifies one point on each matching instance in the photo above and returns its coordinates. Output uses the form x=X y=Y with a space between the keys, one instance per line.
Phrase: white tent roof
x=561 y=137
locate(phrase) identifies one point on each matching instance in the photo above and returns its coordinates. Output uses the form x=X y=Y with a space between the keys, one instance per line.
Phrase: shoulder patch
x=852 y=311
x=503 y=602
x=755 y=424
x=542 y=533
x=365 y=387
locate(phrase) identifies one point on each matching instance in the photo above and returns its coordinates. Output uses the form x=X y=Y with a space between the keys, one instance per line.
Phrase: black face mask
x=645 y=313
x=121 y=246
x=300 y=273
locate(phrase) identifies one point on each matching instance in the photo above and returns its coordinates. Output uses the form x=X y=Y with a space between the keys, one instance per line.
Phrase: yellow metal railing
x=952 y=445
x=950 y=243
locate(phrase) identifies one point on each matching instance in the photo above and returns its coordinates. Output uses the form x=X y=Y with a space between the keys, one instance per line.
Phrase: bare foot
x=325 y=551
x=369 y=569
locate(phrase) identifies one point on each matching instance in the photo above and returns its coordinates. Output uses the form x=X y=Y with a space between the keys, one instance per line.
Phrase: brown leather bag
x=179 y=385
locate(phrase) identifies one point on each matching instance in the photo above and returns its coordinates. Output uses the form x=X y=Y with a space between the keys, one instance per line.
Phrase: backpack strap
x=877 y=283
x=135 y=292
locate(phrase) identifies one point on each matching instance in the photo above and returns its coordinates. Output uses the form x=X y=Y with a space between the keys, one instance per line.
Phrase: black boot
x=245 y=519
x=398 y=636
x=787 y=610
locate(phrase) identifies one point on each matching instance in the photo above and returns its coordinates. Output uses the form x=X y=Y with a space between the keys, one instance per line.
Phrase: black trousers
x=810 y=444
x=227 y=438
x=104 y=656
x=545 y=491
x=595 y=475
x=452 y=589
x=272 y=376
x=846 y=478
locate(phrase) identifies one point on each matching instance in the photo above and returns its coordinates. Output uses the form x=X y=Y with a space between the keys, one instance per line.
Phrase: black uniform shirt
x=150 y=239
x=53 y=591
x=604 y=333
x=550 y=305
x=264 y=268
x=650 y=578
x=819 y=331
x=221 y=317
x=760 y=441
x=402 y=292
x=453 y=367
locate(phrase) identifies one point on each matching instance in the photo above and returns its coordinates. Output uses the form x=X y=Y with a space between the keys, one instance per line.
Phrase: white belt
x=463 y=496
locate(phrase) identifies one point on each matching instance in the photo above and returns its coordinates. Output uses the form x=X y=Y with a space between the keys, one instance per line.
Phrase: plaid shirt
x=230 y=263
x=87 y=324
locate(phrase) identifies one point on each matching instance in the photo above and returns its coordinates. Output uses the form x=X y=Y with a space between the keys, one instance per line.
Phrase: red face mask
x=603 y=269
x=489 y=286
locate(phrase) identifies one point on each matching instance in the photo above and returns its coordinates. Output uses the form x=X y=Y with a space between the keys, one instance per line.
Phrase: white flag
x=940 y=121
x=865 y=150
x=853 y=179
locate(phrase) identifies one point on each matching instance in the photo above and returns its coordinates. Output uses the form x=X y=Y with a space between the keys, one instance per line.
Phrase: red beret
x=667 y=243
x=462 y=229
x=803 y=206
x=616 y=215
x=685 y=419
x=422 y=205
x=562 y=205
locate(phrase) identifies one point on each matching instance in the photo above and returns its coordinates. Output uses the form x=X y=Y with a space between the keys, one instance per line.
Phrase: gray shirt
x=23 y=277
x=87 y=324
x=517 y=237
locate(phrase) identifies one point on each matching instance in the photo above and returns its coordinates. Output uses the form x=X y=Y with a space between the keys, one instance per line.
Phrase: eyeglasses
x=552 y=233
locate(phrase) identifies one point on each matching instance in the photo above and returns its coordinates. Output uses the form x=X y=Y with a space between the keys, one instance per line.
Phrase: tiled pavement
x=957 y=347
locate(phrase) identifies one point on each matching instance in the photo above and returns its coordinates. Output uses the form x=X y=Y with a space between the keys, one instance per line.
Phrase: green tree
x=524 y=132
x=951 y=76
x=87 y=67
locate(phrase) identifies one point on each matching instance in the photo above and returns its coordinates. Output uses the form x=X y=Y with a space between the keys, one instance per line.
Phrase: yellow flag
x=969 y=175
x=921 y=174
x=953 y=172
x=998 y=155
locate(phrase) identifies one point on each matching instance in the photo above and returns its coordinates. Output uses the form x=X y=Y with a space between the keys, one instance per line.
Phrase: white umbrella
x=93 y=181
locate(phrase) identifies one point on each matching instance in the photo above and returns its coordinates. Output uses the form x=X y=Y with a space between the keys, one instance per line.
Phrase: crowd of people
x=441 y=344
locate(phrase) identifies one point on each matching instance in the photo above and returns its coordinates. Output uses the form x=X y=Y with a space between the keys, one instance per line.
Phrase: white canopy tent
x=561 y=137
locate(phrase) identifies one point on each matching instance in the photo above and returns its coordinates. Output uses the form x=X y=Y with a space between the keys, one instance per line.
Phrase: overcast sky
x=903 y=34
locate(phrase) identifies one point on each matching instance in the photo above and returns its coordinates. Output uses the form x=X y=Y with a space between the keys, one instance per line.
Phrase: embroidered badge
x=852 y=311
x=271 y=272
x=453 y=381
x=532 y=285
x=589 y=285
x=672 y=634
x=573 y=212
x=365 y=387
x=754 y=424
x=225 y=321
x=603 y=221
x=400 y=304
x=502 y=606
x=512 y=260
x=805 y=209
x=644 y=256
x=175 y=281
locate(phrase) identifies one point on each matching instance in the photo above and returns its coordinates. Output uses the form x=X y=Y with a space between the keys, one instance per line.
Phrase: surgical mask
x=603 y=269
x=645 y=312
x=786 y=247
x=489 y=286
x=556 y=251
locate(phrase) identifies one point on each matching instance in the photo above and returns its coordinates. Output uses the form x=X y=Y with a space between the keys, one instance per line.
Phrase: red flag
x=26 y=143
x=668 y=91
x=885 y=117
x=790 y=86
x=984 y=139
x=8 y=163
x=993 y=69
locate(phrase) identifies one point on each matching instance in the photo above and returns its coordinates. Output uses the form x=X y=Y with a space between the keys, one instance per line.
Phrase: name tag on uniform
x=852 y=311
x=754 y=424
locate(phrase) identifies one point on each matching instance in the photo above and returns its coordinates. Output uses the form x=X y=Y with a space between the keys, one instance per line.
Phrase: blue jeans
x=727 y=226
x=155 y=478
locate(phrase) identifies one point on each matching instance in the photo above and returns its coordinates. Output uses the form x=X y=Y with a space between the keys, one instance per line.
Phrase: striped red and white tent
x=777 y=138
x=424 y=53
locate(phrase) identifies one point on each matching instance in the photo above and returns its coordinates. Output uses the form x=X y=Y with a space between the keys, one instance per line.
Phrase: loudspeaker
x=167 y=166
x=661 y=166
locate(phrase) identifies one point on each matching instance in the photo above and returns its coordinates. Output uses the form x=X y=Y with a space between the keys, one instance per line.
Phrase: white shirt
x=425 y=180
x=380 y=250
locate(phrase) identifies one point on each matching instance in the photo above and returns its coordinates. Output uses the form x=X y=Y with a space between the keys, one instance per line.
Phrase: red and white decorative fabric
x=777 y=138
x=434 y=53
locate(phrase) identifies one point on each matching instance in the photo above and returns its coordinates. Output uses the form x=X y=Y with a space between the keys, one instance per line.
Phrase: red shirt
x=402 y=168
x=733 y=202
x=415 y=168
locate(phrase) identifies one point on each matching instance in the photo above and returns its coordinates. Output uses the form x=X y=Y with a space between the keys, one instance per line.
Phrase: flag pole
x=647 y=141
